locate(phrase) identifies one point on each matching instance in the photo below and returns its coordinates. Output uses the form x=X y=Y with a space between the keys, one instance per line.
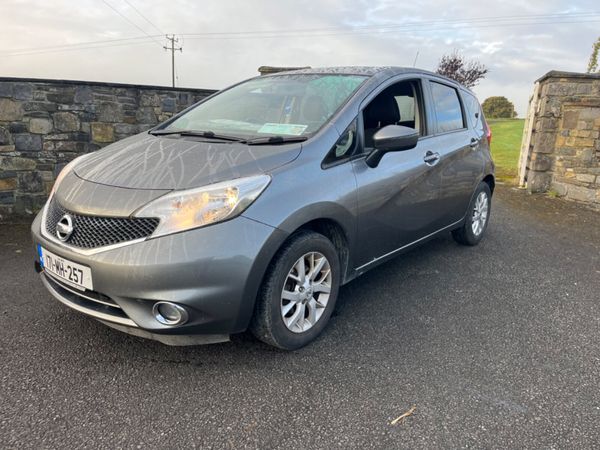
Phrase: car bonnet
x=149 y=162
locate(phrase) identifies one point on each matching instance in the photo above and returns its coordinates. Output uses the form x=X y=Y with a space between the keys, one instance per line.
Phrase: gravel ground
x=496 y=346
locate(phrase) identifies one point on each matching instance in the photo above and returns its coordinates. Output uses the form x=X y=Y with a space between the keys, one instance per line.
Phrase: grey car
x=249 y=210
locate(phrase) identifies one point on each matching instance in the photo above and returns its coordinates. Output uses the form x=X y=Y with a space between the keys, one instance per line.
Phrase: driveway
x=496 y=346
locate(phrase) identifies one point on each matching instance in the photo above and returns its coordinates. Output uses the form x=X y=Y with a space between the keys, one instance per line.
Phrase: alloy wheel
x=306 y=292
x=480 y=214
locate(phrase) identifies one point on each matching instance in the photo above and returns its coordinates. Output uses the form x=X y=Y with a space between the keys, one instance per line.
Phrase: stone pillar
x=565 y=150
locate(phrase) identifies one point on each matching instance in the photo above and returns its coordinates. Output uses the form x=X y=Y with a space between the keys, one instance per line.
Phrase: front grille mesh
x=96 y=231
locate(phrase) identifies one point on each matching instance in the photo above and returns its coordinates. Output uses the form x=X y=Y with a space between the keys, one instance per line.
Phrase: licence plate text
x=72 y=273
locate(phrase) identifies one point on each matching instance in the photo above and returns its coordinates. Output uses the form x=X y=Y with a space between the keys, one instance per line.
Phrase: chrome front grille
x=98 y=231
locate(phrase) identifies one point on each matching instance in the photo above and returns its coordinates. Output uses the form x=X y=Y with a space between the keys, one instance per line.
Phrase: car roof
x=344 y=70
x=381 y=72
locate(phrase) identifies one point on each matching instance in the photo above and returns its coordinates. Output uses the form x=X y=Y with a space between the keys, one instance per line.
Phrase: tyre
x=477 y=218
x=298 y=293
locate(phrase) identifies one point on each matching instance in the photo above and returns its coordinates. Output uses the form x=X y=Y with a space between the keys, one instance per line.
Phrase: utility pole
x=173 y=41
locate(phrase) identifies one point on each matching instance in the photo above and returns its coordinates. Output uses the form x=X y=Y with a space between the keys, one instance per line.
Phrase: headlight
x=193 y=208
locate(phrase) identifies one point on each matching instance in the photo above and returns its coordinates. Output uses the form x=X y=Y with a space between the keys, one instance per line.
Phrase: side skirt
x=381 y=259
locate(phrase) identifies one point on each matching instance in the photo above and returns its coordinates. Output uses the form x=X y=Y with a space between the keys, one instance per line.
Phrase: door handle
x=431 y=159
x=474 y=143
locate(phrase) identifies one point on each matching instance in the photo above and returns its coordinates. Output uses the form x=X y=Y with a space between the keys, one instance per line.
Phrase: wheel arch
x=490 y=181
x=328 y=219
x=333 y=221
x=333 y=231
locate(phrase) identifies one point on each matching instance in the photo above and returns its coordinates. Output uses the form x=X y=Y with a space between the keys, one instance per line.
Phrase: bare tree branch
x=467 y=73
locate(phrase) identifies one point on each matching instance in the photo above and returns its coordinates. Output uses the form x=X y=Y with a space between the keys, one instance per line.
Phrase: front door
x=398 y=201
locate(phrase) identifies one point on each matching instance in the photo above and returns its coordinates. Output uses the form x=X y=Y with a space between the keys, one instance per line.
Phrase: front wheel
x=299 y=292
x=477 y=218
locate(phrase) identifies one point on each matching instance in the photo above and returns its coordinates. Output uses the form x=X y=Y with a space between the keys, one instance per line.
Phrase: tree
x=593 y=63
x=498 y=108
x=467 y=73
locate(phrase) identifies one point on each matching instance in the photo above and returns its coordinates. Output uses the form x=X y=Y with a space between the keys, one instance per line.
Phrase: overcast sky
x=350 y=32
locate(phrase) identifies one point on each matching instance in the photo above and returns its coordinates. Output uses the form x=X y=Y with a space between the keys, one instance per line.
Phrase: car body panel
x=398 y=201
x=332 y=192
x=88 y=198
x=460 y=169
x=145 y=161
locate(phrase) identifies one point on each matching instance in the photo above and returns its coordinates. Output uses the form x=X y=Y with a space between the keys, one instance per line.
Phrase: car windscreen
x=281 y=105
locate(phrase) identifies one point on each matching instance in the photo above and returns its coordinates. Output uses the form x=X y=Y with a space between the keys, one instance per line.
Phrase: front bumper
x=214 y=272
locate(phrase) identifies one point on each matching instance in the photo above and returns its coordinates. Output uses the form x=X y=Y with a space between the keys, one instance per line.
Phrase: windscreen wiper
x=267 y=140
x=205 y=134
x=275 y=140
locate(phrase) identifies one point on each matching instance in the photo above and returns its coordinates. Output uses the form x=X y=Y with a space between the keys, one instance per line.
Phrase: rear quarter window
x=474 y=114
x=447 y=107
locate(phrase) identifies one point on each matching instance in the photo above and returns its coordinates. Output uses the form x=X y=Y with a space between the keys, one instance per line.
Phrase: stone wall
x=564 y=154
x=46 y=123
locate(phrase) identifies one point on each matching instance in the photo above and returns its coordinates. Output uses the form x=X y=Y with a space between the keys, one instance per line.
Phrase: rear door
x=457 y=144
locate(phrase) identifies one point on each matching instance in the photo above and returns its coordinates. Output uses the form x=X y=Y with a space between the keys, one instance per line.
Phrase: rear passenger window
x=447 y=108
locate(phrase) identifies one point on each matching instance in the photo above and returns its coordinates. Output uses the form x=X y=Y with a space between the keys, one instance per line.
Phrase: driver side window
x=399 y=104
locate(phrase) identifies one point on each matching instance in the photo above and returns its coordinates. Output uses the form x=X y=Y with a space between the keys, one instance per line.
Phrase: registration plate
x=69 y=272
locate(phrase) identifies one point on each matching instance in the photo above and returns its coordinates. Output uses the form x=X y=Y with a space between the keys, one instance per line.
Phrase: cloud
x=489 y=48
x=516 y=54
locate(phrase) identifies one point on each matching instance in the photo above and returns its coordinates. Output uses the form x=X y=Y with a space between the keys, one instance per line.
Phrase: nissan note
x=251 y=208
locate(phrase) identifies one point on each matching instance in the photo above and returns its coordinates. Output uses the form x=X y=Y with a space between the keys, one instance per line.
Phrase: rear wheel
x=477 y=217
x=298 y=293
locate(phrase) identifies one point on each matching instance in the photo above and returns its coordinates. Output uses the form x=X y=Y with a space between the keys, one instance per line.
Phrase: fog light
x=169 y=313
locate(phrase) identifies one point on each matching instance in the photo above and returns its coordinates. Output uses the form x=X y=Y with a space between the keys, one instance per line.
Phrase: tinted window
x=447 y=108
x=473 y=111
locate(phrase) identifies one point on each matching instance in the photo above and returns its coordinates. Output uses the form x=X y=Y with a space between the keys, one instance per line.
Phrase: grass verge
x=506 y=146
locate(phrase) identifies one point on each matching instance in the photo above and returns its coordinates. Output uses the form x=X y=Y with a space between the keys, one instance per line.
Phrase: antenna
x=415 y=61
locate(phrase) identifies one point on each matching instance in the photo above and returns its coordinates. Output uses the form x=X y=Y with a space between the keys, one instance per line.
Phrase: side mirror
x=391 y=138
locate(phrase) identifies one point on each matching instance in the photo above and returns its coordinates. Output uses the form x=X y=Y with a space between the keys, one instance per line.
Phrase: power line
x=144 y=17
x=91 y=47
x=423 y=26
x=351 y=29
x=402 y=25
x=375 y=32
x=129 y=21
x=74 y=46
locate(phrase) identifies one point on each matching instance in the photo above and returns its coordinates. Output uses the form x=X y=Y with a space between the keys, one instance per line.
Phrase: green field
x=506 y=146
